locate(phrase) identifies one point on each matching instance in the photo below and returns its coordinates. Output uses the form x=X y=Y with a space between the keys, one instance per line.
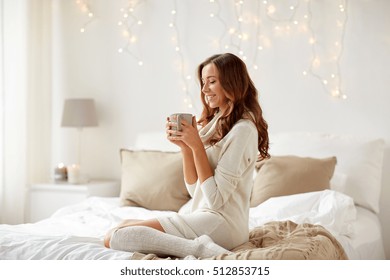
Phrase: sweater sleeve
x=238 y=153
x=191 y=188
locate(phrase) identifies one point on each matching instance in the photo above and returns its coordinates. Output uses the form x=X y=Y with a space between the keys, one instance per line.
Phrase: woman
x=218 y=165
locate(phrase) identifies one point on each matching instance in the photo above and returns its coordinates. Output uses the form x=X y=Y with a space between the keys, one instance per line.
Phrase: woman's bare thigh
x=153 y=223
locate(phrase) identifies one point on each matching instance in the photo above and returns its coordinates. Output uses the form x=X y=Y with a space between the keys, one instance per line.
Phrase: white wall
x=132 y=99
x=14 y=110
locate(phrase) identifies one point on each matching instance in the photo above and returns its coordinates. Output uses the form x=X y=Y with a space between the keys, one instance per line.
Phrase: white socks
x=152 y=241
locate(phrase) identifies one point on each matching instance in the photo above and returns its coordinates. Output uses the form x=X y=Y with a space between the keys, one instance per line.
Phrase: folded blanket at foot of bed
x=281 y=240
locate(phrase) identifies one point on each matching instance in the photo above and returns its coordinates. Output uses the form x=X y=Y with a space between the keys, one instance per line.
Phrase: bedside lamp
x=78 y=113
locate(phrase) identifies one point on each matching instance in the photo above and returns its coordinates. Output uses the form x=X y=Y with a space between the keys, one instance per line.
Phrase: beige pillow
x=287 y=175
x=153 y=180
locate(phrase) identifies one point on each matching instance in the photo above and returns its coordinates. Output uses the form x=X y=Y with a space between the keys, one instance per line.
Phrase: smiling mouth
x=210 y=97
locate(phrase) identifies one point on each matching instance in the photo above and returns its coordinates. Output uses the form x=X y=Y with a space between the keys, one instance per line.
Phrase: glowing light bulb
x=125 y=33
x=316 y=62
x=133 y=39
x=335 y=93
x=271 y=9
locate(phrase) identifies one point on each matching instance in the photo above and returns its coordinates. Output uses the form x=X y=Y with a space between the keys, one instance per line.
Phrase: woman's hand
x=188 y=137
x=195 y=162
x=171 y=131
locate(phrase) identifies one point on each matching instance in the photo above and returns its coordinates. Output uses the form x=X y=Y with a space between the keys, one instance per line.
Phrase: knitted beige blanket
x=282 y=240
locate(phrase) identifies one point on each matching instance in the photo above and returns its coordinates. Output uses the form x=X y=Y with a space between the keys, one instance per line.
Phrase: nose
x=205 y=87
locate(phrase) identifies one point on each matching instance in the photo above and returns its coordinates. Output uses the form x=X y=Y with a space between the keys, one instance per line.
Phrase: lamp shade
x=79 y=113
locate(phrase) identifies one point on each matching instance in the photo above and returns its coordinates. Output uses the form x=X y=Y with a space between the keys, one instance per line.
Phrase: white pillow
x=333 y=210
x=358 y=171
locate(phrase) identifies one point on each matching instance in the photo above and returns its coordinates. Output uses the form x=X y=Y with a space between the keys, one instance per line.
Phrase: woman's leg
x=127 y=223
x=148 y=240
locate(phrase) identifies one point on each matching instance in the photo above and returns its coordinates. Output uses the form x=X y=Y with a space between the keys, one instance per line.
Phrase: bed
x=316 y=198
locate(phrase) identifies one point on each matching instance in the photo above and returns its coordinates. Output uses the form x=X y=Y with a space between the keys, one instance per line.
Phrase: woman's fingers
x=171 y=132
x=170 y=124
x=194 y=121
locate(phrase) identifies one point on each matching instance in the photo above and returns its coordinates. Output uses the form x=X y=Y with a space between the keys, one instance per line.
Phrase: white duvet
x=76 y=232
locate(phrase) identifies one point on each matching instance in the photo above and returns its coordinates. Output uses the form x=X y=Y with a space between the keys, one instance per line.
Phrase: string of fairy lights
x=259 y=21
x=129 y=24
x=177 y=44
x=330 y=81
x=85 y=8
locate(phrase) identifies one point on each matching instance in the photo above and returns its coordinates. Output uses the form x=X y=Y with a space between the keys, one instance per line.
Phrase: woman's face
x=212 y=89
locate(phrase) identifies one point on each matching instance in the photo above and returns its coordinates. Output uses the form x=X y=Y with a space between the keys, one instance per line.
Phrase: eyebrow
x=208 y=77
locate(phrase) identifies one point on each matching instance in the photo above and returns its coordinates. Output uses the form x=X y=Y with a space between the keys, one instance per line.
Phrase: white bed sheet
x=76 y=231
x=367 y=241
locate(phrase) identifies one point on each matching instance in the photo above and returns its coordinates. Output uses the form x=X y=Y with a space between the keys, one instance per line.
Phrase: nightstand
x=44 y=199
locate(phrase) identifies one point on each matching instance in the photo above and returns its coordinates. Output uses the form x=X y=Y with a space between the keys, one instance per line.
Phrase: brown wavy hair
x=242 y=98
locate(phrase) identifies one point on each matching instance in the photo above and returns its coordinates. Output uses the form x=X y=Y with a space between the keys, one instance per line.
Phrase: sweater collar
x=209 y=129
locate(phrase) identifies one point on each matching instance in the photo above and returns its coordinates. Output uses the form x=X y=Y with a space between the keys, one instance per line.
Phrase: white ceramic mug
x=178 y=117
